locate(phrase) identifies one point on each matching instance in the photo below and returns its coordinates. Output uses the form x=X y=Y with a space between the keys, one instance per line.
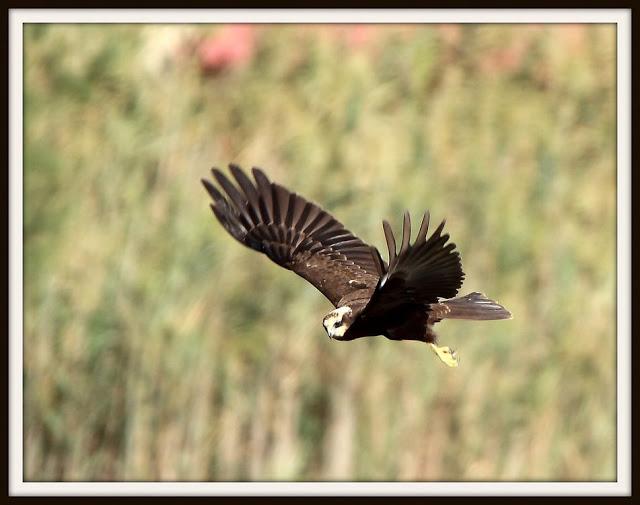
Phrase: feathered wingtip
x=391 y=240
x=431 y=266
x=230 y=210
x=406 y=245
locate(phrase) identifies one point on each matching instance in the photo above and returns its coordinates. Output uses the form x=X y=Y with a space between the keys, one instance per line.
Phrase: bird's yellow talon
x=447 y=355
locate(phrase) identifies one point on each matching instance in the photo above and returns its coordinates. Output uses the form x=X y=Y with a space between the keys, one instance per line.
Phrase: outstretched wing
x=295 y=233
x=420 y=273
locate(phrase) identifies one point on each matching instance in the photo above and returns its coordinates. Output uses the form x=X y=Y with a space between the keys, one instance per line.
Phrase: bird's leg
x=447 y=355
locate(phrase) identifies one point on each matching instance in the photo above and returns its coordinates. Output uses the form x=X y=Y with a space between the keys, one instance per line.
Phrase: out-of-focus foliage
x=156 y=347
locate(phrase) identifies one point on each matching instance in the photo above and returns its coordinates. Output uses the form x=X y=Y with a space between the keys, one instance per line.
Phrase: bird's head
x=337 y=322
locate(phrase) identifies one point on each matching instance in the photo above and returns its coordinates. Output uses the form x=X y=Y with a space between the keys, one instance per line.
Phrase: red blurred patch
x=359 y=36
x=231 y=47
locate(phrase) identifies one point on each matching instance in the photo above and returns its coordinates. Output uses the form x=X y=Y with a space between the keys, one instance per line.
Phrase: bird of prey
x=402 y=299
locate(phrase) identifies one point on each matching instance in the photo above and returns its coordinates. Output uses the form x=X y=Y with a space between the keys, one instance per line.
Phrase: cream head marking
x=333 y=322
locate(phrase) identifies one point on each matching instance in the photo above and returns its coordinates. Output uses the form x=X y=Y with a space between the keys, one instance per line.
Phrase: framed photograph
x=204 y=299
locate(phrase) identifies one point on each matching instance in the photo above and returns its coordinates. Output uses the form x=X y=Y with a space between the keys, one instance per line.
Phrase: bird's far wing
x=420 y=273
x=295 y=233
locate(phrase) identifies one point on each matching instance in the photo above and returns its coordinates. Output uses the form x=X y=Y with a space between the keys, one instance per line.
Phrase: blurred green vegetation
x=157 y=348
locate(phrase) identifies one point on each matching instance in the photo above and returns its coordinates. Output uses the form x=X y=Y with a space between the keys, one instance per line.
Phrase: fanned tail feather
x=474 y=306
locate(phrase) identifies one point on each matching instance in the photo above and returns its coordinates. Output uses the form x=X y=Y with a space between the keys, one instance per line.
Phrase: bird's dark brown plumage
x=401 y=299
x=294 y=233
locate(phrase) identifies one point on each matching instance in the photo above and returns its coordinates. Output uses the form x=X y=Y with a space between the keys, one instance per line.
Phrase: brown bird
x=401 y=300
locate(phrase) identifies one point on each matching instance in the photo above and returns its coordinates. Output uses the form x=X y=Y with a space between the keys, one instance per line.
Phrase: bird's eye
x=336 y=324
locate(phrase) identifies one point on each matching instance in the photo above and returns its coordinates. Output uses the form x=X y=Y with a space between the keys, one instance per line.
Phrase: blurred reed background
x=157 y=348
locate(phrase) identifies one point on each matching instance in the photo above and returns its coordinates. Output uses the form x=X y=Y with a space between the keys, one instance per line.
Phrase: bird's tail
x=474 y=306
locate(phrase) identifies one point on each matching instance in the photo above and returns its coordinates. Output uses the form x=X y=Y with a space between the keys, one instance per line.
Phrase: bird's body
x=401 y=300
